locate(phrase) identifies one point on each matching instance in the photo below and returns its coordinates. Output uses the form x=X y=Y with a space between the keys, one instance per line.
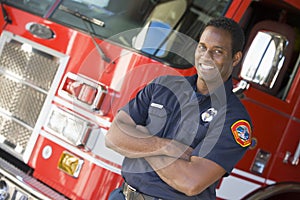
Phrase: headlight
x=69 y=126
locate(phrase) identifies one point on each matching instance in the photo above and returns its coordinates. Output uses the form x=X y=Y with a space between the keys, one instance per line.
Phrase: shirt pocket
x=187 y=132
x=157 y=119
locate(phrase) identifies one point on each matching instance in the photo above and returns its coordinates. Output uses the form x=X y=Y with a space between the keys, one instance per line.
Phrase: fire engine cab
x=67 y=66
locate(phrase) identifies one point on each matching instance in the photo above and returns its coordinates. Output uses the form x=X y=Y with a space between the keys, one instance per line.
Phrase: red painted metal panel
x=295 y=3
x=94 y=182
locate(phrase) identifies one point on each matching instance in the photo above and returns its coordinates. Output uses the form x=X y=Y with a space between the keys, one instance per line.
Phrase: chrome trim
x=29 y=186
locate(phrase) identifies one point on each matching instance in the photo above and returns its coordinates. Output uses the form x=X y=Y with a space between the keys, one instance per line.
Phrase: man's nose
x=207 y=55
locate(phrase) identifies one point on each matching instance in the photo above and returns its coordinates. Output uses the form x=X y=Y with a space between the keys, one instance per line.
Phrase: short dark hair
x=237 y=33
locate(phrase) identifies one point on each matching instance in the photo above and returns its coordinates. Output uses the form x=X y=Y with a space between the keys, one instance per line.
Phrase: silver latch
x=241 y=87
x=294 y=160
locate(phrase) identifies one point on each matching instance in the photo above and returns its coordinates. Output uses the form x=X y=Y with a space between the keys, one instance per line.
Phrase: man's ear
x=237 y=58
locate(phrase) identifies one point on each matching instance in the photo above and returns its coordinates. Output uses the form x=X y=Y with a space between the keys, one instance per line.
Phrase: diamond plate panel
x=20 y=101
x=29 y=105
x=14 y=133
x=26 y=75
x=34 y=66
x=7 y=95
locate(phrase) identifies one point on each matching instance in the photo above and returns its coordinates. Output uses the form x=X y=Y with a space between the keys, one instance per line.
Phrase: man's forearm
x=170 y=171
x=131 y=142
x=135 y=141
x=189 y=177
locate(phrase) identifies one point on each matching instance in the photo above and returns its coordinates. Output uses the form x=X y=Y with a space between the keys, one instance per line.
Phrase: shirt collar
x=220 y=95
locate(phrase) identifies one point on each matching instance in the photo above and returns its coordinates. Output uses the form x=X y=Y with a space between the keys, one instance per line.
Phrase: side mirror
x=264 y=59
x=268 y=55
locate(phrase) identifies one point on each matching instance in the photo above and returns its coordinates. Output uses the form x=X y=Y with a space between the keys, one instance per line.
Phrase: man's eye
x=201 y=48
x=217 y=51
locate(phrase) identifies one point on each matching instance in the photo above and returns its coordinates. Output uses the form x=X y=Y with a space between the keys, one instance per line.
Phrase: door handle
x=295 y=158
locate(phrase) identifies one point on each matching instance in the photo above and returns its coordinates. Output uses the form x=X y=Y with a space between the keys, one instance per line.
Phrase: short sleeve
x=137 y=108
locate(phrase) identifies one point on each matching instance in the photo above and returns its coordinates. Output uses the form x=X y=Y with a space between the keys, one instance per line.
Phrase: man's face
x=213 y=56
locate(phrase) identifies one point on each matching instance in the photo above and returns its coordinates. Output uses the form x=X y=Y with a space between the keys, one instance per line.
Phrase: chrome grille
x=16 y=135
x=27 y=72
x=35 y=67
x=20 y=101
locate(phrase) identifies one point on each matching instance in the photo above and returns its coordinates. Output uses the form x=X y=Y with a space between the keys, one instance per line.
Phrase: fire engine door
x=270 y=99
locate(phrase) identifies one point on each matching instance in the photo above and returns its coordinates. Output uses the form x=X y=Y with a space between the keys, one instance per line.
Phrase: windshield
x=137 y=23
x=117 y=15
x=38 y=7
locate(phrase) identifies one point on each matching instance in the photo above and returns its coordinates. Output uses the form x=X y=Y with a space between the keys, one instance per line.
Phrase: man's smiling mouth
x=205 y=67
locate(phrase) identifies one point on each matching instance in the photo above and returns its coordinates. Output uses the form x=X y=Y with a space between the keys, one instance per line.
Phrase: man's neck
x=205 y=88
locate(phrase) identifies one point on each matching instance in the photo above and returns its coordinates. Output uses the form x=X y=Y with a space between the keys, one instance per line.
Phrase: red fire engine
x=66 y=66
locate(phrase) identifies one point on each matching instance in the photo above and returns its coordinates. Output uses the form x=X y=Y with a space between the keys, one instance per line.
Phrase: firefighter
x=180 y=135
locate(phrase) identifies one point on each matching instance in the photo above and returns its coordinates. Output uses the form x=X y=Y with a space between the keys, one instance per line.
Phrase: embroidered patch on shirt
x=241 y=131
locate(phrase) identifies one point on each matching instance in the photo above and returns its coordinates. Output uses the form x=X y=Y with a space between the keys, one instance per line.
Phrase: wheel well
x=278 y=191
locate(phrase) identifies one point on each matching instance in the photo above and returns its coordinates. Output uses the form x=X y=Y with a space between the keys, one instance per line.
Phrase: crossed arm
x=171 y=160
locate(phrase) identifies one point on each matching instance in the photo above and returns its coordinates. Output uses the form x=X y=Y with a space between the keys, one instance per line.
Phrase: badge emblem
x=241 y=131
x=208 y=115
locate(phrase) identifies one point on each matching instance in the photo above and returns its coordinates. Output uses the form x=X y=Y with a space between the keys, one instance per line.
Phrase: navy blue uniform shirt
x=217 y=126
